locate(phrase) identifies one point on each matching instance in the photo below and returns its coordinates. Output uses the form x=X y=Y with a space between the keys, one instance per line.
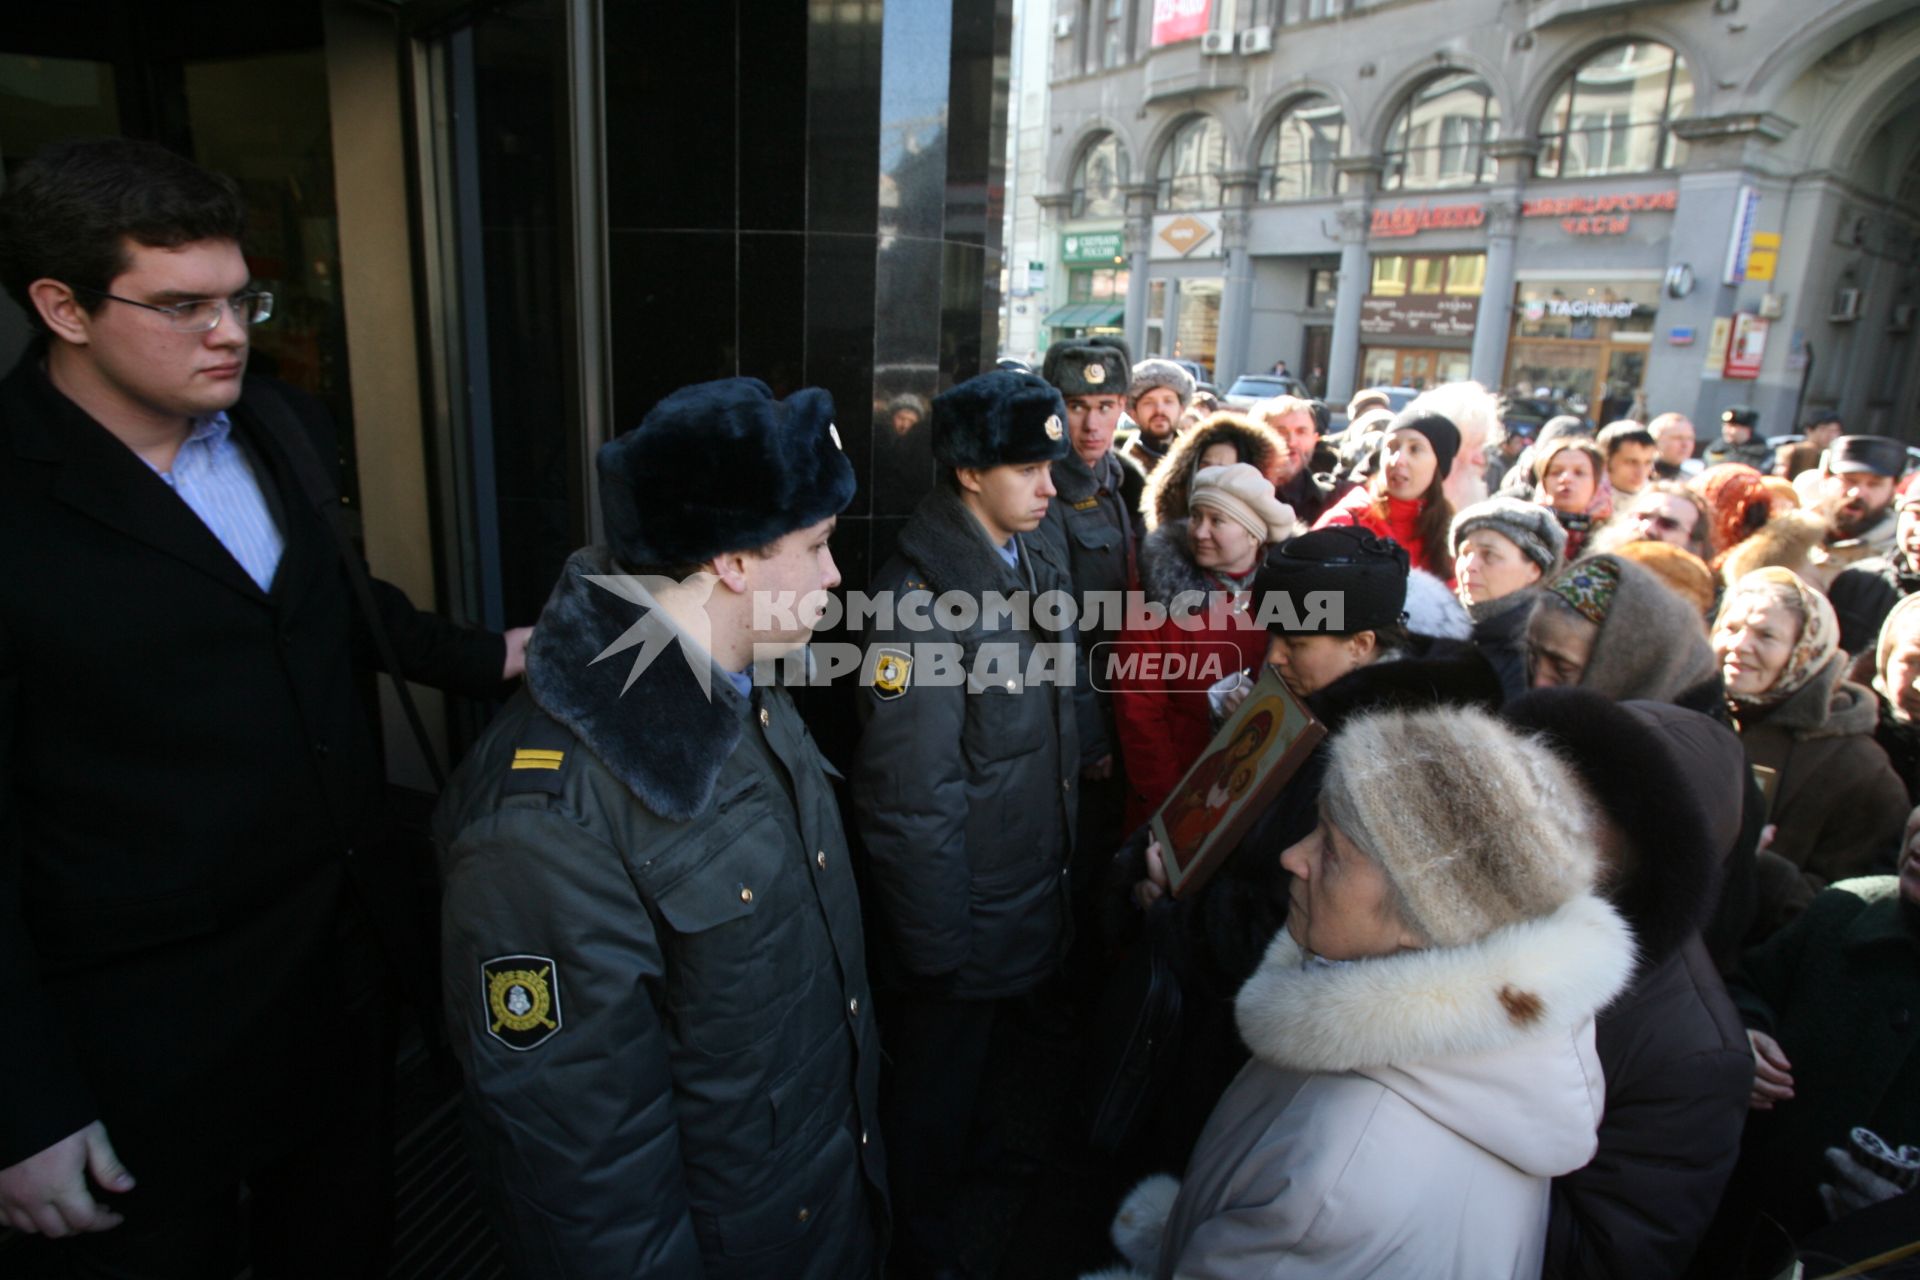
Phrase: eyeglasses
x=203 y=314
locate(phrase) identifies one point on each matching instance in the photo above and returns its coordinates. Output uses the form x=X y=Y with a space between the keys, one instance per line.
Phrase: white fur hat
x=1244 y=496
x=1477 y=825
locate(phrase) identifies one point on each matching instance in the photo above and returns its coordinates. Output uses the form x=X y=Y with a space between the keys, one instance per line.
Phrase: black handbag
x=1134 y=1049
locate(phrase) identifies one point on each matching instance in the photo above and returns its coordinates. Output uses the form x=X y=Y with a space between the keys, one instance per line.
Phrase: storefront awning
x=1085 y=315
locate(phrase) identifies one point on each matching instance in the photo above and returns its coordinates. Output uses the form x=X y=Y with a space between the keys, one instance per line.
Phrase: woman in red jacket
x=1405 y=500
x=1200 y=570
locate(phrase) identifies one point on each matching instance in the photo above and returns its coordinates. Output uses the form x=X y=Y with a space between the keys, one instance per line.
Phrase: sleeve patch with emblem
x=892 y=670
x=522 y=998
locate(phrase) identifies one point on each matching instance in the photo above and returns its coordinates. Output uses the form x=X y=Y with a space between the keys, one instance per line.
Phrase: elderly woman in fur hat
x=1422 y=1031
x=1220 y=441
x=1606 y=624
x=1835 y=802
x=1200 y=569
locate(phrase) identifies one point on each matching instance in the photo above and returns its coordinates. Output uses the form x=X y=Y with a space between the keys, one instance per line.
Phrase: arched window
x=1100 y=179
x=1190 y=165
x=1297 y=155
x=1613 y=114
x=1438 y=138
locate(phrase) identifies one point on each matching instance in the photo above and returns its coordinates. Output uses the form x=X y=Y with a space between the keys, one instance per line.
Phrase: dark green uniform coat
x=1094 y=526
x=654 y=971
x=964 y=788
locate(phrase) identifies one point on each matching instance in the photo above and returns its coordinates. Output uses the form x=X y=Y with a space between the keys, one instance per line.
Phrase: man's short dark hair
x=67 y=213
x=1625 y=431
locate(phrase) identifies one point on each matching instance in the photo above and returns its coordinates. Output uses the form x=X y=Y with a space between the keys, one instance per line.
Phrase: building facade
x=1615 y=207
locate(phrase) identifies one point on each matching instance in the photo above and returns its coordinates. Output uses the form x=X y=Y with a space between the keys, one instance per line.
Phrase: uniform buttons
x=853 y=1006
x=764 y=717
x=1066 y=784
x=820 y=859
x=746 y=894
x=804 y=1213
x=863 y=1137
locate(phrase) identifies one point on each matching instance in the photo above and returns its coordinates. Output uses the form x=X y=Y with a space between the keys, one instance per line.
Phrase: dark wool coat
x=1166 y=723
x=1500 y=634
x=701 y=1098
x=1677 y=1065
x=192 y=789
x=1839 y=988
x=1837 y=803
x=1092 y=529
x=965 y=789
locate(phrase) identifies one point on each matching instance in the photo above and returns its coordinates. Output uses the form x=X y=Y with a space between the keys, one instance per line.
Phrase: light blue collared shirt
x=743 y=681
x=1010 y=553
x=213 y=477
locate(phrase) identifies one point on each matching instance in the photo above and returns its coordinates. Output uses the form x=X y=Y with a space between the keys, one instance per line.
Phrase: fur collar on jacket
x=1167 y=567
x=1077 y=482
x=1827 y=706
x=952 y=551
x=1549 y=974
x=661 y=735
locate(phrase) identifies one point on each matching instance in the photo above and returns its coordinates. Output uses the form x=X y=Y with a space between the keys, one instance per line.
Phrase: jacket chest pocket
x=1091 y=529
x=1006 y=717
x=730 y=920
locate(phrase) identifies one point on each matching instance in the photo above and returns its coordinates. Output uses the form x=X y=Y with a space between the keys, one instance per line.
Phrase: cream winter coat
x=1401 y=1116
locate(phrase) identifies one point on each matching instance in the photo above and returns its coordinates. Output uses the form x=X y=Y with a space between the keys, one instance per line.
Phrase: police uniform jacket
x=964 y=786
x=653 y=969
x=190 y=792
x=1756 y=452
x=1095 y=526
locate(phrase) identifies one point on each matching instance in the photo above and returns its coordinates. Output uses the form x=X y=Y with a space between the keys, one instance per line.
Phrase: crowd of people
x=1585 y=943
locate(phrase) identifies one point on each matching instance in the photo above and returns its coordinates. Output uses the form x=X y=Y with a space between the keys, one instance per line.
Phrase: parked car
x=1250 y=388
x=1538 y=410
x=1200 y=374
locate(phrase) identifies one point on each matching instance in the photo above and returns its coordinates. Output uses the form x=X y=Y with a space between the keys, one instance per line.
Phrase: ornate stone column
x=1362 y=174
x=1236 y=298
x=1140 y=202
x=1515 y=157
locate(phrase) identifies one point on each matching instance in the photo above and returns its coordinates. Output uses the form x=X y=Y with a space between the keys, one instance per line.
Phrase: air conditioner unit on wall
x=1256 y=40
x=1846 y=306
x=1216 y=44
x=1063 y=26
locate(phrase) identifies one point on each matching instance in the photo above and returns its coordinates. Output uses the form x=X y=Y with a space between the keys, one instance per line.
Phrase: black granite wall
x=810 y=194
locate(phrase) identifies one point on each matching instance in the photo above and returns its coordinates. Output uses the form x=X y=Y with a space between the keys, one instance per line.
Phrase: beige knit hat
x=1244 y=496
x=1477 y=825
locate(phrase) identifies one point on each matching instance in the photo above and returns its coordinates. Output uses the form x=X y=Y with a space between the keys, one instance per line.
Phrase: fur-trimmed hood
x=1827 y=706
x=661 y=734
x=1445 y=1027
x=1171 y=483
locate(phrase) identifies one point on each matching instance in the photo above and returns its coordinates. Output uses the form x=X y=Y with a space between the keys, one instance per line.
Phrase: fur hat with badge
x=999 y=419
x=1086 y=369
x=721 y=466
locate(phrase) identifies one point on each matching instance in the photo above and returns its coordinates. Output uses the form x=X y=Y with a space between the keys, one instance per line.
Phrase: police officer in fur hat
x=965 y=782
x=1095 y=526
x=654 y=969
x=1740 y=441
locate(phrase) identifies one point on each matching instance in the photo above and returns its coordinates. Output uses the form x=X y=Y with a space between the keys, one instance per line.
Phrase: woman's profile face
x=1559 y=647
x=1753 y=641
x=1309 y=663
x=1340 y=903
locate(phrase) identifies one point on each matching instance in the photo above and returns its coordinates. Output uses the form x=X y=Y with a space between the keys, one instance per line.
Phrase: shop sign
x=1182 y=235
x=1746 y=212
x=1764 y=256
x=1680 y=335
x=1425 y=316
x=1716 y=362
x=1747 y=347
x=1537 y=309
x=1093 y=246
x=1610 y=214
x=1412 y=219
x=1176 y=20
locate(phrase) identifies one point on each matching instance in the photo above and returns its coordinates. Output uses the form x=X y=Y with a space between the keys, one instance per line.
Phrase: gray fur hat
x=1478 y=826
x=1149 y=374
x=1528 y=526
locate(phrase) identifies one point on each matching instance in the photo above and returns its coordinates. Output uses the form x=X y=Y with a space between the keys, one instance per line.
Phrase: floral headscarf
x=1818 y=641
x=1587 y=587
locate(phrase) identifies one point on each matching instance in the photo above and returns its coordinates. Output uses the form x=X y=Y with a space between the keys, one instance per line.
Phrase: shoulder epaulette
x=540 y=757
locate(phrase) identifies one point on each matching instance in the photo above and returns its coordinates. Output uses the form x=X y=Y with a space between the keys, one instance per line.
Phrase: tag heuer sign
x=1186 y=235
x=1093 y=246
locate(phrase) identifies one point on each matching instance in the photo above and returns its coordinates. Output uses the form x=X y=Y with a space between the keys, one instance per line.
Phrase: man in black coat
x=192 y=856
x=1669 y=784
